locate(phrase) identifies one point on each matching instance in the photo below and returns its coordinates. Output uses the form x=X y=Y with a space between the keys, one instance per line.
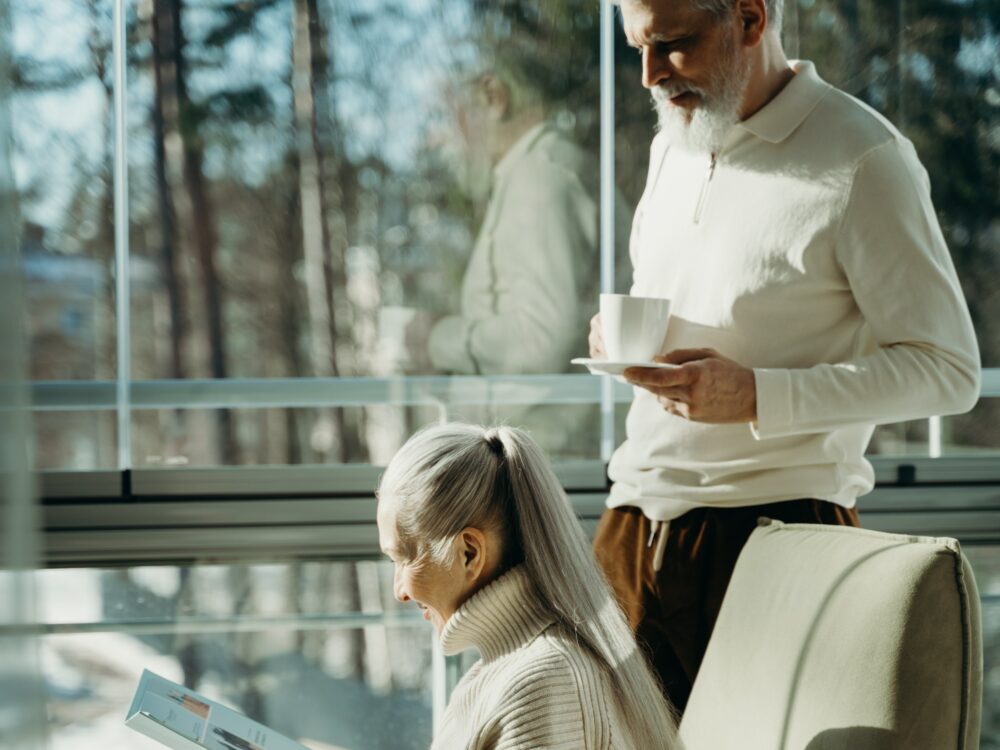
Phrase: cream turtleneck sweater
x=534 y=686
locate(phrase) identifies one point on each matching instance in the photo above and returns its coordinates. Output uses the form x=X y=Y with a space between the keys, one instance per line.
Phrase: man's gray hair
x=722 y=8
x=450 y=477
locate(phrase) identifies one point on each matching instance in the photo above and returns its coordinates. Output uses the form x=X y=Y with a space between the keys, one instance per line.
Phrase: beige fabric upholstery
x=835 y=638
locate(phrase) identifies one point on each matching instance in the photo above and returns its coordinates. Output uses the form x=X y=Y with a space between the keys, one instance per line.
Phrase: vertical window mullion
x=607 y=203
x=123 y=347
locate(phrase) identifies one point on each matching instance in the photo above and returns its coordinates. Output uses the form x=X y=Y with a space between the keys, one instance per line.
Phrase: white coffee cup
x=634 y=328
x=393 y=325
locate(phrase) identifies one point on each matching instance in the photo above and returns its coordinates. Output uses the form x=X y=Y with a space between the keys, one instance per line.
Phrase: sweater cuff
x=774 y=403
x=448 y=345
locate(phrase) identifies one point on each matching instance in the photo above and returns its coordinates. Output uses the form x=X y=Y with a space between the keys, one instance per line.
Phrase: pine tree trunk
x=202 y=220
x=164 y=99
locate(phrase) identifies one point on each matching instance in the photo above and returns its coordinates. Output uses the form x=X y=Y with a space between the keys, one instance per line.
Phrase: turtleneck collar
x=497 y=619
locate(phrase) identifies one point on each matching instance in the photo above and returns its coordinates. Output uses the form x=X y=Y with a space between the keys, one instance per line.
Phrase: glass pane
x=973 y=434
x=190 y=437
x=22 y=718
x=309 y=210
x=635 y=126
x=985 y=561
x=75 y=440
x=264 y=639
x=931 y=69
x=991 y=679
x=63 y=147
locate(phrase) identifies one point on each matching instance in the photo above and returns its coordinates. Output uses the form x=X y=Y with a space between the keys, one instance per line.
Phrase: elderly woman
x=484 y=541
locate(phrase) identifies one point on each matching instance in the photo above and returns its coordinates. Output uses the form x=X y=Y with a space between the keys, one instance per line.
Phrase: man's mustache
x=663 y=92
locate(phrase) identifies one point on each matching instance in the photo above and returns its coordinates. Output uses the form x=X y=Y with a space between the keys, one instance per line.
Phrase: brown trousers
x=674 y=610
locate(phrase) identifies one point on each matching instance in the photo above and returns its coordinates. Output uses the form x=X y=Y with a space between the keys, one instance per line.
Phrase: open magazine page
x=182 y=719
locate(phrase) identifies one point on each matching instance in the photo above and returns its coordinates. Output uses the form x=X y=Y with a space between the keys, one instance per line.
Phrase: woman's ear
x=473 y=548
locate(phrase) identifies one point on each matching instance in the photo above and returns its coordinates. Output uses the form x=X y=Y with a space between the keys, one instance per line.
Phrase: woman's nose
x=399 y=591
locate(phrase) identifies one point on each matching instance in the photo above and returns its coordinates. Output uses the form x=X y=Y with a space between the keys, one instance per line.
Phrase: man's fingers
x=656 y=378
x=680 y=356
x=674 y=395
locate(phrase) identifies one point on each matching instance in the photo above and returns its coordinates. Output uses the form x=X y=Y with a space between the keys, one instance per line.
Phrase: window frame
x=221 y=513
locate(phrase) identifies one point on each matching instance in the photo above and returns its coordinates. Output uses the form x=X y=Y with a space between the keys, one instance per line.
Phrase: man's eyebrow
x=653 y=39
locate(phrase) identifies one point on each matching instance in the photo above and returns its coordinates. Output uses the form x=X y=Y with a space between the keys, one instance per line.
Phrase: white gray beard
x=704 y=129
x=705 y=132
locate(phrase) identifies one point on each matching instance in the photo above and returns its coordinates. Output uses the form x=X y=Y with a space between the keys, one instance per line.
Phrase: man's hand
x=596 y=339
x=707 y=387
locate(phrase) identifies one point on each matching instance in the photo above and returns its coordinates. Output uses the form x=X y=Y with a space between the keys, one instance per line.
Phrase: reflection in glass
x=75 y=440
x=985 y=561
x=973 y=434
x=264 y=639
x=62 y=114
x=299 y=200
x=22 y=707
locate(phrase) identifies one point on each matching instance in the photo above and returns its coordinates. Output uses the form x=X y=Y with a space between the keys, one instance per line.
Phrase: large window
x=255 y=235
x=282 y=642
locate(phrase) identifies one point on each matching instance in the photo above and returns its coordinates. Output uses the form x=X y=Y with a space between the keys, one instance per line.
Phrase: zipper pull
x=704 y=189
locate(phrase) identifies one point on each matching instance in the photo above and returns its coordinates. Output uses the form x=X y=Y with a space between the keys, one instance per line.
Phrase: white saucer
x=606 y=367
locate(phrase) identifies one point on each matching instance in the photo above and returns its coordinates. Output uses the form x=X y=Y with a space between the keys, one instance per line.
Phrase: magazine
x=182 y=719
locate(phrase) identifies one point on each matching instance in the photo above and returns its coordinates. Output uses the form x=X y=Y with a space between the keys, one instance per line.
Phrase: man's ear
x=472 y=547
x=754 y=21
x=496 y=95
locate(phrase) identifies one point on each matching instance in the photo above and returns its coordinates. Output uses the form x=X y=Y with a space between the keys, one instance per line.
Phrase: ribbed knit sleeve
x=902 y=277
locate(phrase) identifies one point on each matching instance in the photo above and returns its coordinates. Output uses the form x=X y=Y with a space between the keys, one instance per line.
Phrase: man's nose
x=655 y=68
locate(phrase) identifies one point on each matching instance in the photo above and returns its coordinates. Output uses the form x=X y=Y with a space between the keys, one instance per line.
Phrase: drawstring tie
x=658 y=531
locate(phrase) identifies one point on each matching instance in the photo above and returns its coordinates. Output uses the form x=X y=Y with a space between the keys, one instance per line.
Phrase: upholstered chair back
x=835 y=638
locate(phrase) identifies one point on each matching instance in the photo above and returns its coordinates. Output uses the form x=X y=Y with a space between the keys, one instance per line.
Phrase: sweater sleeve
x=545 y=229
x=895 y=259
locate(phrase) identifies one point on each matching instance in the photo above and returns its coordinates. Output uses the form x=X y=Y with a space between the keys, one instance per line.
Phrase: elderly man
x=812 y=297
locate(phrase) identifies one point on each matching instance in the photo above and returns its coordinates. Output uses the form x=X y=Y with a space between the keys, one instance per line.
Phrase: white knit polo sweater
x=809 y=250
x=534 y=686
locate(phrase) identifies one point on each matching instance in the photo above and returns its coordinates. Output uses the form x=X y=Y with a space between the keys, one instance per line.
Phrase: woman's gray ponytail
x=449 y=477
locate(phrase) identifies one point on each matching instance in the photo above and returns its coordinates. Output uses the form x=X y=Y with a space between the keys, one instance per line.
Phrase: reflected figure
x=485 y=542
x=516 y=126
x=536 y=255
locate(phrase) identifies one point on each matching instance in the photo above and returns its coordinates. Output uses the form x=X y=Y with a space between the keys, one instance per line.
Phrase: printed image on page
x=171 y=705
x=180 y=718
x=231 y=730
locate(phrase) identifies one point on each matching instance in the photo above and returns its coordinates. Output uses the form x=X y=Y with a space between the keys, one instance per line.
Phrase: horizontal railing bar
x=283 y=481
x=261 y=393
x=243 y=624
x=240 y=624
x=239 y=393
x=351 y=479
